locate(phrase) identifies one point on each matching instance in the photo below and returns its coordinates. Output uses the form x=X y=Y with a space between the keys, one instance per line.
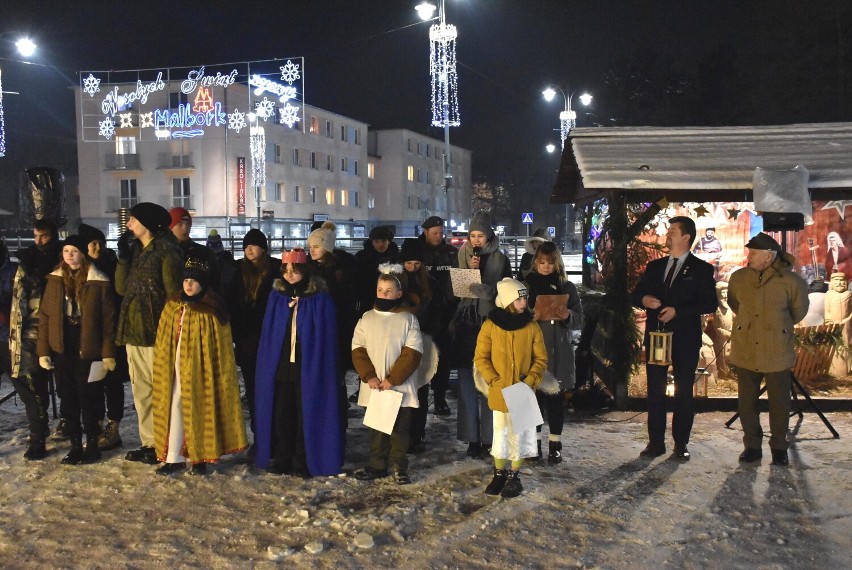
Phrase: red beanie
x=179 y=215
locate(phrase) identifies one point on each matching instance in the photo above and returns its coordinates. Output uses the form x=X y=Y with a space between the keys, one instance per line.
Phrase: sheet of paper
x=382 y=410
x=97 y=372
x=546 y=306
x=523 y=407
x=462 y=280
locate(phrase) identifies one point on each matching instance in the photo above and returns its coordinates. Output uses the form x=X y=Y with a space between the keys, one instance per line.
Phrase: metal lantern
x=661 y=348
x=699 y=389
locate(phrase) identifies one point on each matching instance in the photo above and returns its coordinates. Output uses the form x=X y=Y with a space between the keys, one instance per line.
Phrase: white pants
x=140 y=360
x=176 y=433
x=507 y=444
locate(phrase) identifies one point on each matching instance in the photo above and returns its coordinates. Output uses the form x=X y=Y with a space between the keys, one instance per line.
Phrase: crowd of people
x=177 y=318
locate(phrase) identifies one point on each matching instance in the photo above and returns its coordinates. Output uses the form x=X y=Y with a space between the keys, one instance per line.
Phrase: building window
x=313 y=195
x=128 y=193
x=180 y=193
x=125 y=145
x=343 y=133
x=314 y=129
x=371 y=201
x=356 y=134
x=328 y=131
x=344 y=197
x=371 y=170
x=296 y=156
x=177 y=99
x=428 y=150
x=410 y=173
x=355 y=167
x=279 y=192
x=410 y=202
x=329 y=196
x=278 y=154
x=410 y=145
x=344 y=164
x=328 y=163
x=296 y=194
x=313 y=160
x=419 y=174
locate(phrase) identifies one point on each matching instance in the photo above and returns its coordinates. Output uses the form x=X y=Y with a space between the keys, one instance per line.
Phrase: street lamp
x=257 y=146
x=26 y=47
x=567 y=117
x=442 y=69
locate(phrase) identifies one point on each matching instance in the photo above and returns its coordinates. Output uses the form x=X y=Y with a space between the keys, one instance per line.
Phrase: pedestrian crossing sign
x=527 y=218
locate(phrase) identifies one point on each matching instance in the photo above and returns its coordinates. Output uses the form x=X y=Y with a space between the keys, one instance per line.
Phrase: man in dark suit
x=675 y=291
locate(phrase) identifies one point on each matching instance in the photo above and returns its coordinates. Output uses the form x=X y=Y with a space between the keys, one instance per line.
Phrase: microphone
x=477 y=251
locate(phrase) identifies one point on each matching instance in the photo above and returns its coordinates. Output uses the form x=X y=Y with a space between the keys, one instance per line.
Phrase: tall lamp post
x=26 y=47
x=257 y=146
x=567 y=121
x=442 y=69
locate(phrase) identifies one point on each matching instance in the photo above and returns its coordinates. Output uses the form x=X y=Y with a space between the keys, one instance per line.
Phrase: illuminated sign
x=241 y=186
x=163 y=104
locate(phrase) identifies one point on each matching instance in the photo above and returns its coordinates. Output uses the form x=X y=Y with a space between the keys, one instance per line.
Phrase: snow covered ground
x=602 y=508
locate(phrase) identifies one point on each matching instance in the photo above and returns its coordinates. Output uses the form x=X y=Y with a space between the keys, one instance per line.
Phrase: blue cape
x=316 y=326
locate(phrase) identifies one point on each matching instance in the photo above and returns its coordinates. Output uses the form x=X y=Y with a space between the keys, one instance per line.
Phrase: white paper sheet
x=97 y=372
x=382 y=410
x=462 y=279
x=523 y=407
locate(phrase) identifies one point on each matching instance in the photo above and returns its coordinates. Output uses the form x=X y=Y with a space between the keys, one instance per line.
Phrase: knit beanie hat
x=412 y=250
x=432 y=222
x=198 y=269
x=90 y=233
x=152 y=216
x=179 y=215
x=77 y=241
x=255 y=237
x=508 y=291
x=481 y=222
x=214 y=242
x=324 y=236
x=382 y=232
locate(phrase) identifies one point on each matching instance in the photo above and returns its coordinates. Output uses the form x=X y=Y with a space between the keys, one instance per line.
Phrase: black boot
x=496 y=484
x=75 y=456
x=92 y=452
x=555 y=454
x=513 y=485
x=35 y=449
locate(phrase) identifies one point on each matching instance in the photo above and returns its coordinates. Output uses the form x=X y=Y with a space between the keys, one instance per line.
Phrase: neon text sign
x=184 y=119
x=262 y=84
x=115 y=101
x=197 y=78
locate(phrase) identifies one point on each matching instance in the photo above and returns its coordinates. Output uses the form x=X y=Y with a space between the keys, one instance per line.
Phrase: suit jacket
x=692 y=294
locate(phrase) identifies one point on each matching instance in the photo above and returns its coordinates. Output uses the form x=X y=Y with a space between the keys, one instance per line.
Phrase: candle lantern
x=661 y=348
x=699 y=389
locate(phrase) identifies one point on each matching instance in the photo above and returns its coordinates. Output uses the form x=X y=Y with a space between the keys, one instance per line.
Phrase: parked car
x=457 y=239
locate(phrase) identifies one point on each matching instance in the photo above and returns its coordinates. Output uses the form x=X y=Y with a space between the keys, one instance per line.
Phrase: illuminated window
x=180 y=193
x=314 y=129
x=279 y=192
x=128 y=193
x=344 y=197
x=410 y=173
x=371 y=170
x=371 y=201
x=313 y=195
x=329 y=196
x=295 y=193
x=125 y=145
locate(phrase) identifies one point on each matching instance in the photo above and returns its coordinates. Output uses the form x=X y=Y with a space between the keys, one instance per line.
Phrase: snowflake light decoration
x=107 y=128
x=126 y=120
x=290 y=72
x=91 y=85
x=289 y=115
x=237 y=120
x=146 y=120
x=265 y=109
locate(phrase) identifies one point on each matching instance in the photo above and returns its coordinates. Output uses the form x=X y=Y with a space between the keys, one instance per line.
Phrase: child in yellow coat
x=509 y=349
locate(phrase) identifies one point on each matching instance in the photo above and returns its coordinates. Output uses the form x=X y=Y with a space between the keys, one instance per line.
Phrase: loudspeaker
x=783 y=221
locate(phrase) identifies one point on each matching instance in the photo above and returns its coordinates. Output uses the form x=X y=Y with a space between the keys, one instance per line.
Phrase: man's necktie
x=671 y=274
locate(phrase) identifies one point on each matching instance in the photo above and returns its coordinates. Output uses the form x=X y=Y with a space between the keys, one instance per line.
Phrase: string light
x=2 y=121
x=442 y=67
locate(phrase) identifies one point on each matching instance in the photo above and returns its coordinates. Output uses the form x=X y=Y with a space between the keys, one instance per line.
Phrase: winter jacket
x=97 y=317
x=247 y=316
x=509 y=349
x=367 y=263
x=766 y=305
x=438 y=260
x=145 y=281
x=557 y=334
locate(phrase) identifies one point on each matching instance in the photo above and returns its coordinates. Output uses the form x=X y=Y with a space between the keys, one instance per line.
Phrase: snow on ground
x=601 y=508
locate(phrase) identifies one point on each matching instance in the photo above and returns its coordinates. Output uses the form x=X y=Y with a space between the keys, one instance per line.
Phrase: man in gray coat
x=768 y=298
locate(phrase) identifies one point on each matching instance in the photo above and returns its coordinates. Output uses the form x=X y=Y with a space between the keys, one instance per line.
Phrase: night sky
x=647 y=63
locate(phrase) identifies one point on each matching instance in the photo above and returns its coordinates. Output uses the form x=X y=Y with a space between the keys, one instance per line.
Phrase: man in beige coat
x=768 y=299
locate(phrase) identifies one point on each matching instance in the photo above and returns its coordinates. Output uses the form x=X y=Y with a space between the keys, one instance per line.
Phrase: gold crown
x=197 y=264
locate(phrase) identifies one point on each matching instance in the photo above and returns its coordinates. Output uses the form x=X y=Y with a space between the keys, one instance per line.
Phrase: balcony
x=122 y=162
x=169 y=161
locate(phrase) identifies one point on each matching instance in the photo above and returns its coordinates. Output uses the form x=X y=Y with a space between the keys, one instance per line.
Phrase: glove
x=109 y=364
x=45 y=362
x=123 y=244
x=482 y=290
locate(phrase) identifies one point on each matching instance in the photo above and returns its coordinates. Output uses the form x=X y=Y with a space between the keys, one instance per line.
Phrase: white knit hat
x=323 y=236
x=508 y=291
